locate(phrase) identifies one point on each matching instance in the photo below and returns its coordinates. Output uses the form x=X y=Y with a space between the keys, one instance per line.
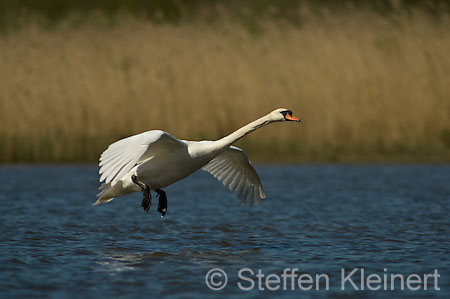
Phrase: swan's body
x=155 y=159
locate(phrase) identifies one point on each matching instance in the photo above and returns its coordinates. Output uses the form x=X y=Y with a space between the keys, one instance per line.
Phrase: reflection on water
x=316 y=218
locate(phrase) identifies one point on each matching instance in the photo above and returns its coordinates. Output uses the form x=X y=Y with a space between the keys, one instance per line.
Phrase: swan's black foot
x=162 y=204
x=147 y=200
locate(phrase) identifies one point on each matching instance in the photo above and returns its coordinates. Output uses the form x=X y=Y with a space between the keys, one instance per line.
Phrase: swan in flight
x=155 y=159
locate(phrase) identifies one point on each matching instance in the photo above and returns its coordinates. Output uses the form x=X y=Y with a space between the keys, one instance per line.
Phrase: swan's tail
x=106 y=194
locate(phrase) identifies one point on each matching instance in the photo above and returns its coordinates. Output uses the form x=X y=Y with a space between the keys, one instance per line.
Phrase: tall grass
x=367 y=88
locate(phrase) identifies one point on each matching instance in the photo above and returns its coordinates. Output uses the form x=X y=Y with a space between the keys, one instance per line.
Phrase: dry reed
x=367 y=88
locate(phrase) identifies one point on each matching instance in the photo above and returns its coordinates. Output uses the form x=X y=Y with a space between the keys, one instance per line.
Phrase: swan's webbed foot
x=147 y=200
x=162 y=203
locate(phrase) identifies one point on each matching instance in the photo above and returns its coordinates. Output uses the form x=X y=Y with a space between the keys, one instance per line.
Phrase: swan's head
x=282 y=114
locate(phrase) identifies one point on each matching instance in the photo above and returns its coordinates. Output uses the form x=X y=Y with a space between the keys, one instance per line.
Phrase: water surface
x=320 y=219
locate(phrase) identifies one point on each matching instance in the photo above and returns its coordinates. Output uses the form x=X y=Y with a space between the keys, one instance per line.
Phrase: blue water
x=319 y=219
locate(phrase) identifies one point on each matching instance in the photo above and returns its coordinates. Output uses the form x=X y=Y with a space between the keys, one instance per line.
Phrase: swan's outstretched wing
x=234 y=170
x=121 y=156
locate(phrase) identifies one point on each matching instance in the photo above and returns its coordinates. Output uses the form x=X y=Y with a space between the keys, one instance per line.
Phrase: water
x=320 y=219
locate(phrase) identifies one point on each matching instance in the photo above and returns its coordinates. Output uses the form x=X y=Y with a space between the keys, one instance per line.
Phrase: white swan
x=155 y=159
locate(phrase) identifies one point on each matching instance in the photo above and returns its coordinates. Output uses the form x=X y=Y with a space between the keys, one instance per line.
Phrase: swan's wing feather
x=235 y=171
x=121 y=156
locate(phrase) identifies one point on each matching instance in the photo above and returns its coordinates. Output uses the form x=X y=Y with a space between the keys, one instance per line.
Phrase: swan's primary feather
x=120 y=157
x=235 y=171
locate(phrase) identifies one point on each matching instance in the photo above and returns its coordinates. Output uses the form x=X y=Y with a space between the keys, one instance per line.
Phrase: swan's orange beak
x=291 y=117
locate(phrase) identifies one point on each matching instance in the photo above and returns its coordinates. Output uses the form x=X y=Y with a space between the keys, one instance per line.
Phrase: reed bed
x=367 y=87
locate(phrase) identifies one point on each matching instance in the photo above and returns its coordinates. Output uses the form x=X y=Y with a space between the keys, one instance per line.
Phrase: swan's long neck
x=226 y=141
